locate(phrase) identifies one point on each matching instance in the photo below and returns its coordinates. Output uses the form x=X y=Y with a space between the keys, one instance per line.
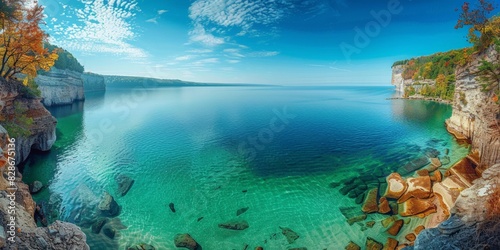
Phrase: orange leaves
x=21 y=44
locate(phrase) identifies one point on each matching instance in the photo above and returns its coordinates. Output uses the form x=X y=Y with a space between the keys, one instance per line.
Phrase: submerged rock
x=360 y=198
x=97 y=226
x=370 y=205
x=395 y=227
x=109 y=232
x=352 y=246
x=290 y=235
x=108 y=205
x=35 y=187
x=391 y=244
x=334 y=184
x=241 y=211
x=171 y=206
x=383 y=206
x=413 y=165
x=352 y=214
x=186 y=241
x=372 y=244
x=124 y=184
x=410 y=237
x=235 y=225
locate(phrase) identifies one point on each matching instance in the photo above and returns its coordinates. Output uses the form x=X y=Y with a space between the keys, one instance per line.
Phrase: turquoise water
x=214 y=150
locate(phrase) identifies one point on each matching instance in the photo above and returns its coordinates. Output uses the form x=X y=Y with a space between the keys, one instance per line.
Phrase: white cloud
x=199 y=34
x=263 y=53
x=184 y=58
x=233 y=61
x=152 y=20
x=240 y=15
x=200 y=51
x=100 y=27
x=161 y=12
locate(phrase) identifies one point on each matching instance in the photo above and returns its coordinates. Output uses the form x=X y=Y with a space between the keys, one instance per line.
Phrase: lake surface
x=214 y=150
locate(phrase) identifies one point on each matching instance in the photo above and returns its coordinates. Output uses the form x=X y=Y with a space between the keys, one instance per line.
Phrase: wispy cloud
x=155 y=19
x=152 y=20
x=240 y=15
x=184 y=58
x=199 y=34
x=100 y=27
x=263 y=53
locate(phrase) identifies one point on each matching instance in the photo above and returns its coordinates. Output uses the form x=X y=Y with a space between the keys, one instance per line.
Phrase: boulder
x=383 y=206
x=391 y=244
x=290 y=235
x=396 y=186
x=97 y=226
x=372 y=244
x=235 y=225
x=35 y=187
x=395 y=227
x=423 y=172
x=418 y=187
x=186 y=241
x=241 y=211
x=124 y=184
x=438 y=177
x=410 y=237
x=419 y=229
x=436 y=162
x=387 y=221
x=370 y=205
x=108 y=205
x=414 y=206
x=352 y=246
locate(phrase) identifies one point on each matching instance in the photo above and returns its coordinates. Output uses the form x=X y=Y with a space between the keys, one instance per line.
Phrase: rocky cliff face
x=41 y=134
x=397 y=78
x=400 y=83
x=60 y=87
x=23 y=233
x=93 y=83
x=475 y=114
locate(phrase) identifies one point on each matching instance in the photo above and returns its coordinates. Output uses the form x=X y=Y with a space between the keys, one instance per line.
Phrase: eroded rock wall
x=60 y=87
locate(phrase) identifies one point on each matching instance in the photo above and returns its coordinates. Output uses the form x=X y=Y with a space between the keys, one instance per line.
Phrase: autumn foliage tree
x=22 y=40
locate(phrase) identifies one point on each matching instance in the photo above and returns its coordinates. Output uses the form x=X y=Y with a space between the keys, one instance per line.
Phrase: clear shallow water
x=201 y=148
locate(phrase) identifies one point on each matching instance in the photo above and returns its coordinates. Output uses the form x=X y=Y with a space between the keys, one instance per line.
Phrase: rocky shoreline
x=475 y=118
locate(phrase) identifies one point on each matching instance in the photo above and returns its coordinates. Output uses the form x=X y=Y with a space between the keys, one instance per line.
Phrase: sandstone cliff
x=397 y=79
x=18 y=203
x=60 y=87
x=475 y=114
x=93 y=82
x=40 y=134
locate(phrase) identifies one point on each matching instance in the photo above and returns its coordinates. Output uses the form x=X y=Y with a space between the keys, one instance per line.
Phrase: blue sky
x=253 y=41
